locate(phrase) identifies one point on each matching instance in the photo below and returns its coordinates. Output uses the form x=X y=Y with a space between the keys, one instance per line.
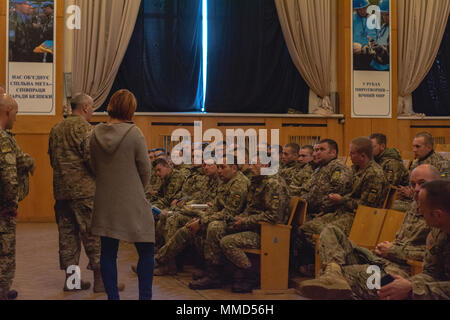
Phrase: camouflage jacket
x=21 y=42
x=301 y=180
x=435 y=159
x=392 y=164
x=184 y=169
x=153 y=185
x=194 y=184
x=248 y=173
x=69 y=153
x=434 y=282
x=333 y=177
x=229 y=202
x=410 y=241
x=15 y=166
x=369 y=188
x=289 y=171
x=267 y=201
x=169 y=190
x=208 y=194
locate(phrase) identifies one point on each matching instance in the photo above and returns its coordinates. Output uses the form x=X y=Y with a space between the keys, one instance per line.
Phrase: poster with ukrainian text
x=31 y=60
x=371 y=71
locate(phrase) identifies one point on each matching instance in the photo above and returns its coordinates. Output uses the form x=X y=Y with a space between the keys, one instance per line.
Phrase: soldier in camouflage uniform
x=14 y=163
x=230 y=201
x=267 y=201
x=390 y=160
x=205 y=192
x=21 y=44
x=172 y=182
x=337 y=249
x=155 y=183
x=369 y=188
x=74 y=189
x=434 y=282
x=291 y=170
x=423 y=148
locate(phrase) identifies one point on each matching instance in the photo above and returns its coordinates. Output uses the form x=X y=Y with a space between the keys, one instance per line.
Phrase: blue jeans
x=108 y=265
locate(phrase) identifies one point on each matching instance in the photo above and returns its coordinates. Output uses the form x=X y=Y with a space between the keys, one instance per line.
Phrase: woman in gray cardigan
x=121 y=211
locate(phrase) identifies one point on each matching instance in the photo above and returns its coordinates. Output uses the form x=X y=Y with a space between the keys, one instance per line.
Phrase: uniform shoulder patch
x=336 y=175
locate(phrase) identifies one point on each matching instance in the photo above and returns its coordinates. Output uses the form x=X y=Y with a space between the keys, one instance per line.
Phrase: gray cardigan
x=120 y=162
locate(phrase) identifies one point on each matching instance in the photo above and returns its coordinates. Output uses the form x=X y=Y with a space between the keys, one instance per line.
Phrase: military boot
x=198 y=274
x=166 y=269
x=12 y=295
x=330 y=286
x=244 y=281
x=211 y=280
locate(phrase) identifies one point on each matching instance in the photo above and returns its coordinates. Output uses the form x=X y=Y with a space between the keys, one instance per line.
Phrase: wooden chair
x=365 y=231
x=390 y=197
x=416 y=267
x=275 y=246
x=392 y=223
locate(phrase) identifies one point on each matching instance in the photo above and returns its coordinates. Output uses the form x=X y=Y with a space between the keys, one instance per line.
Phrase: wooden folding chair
x=416 y=267
x=390 y=197
x=275 y=246
x=365 y=231
x=392 y=223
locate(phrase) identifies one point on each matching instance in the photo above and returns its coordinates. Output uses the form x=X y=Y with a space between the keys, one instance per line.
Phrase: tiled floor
x=38 y=276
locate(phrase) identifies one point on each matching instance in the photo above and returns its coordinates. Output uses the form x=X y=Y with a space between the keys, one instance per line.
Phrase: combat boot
x=12 y=295
x=198 y=274
x=166 y=269
x=211 y=280
x=244 y=281
x=99 y=287
x=330 y=286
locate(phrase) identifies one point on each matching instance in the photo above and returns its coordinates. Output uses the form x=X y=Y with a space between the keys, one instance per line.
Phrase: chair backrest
x=390 y=197
x=298 y=208
x=367 y=226
x=442 y=148
x=392 y=223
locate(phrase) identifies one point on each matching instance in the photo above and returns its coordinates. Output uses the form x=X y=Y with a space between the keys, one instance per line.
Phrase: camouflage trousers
x=7 y=253
x=207 y=242
x=302 y=241
x=355 y=261
x=167 y=226
x=232 y=247
x=74 y=224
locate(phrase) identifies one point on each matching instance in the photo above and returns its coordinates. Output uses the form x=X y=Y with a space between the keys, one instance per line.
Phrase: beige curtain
x=100 y=44
x=421 y=26
x=307 y=29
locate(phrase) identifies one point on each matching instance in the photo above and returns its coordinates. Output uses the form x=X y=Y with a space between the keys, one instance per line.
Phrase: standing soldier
x=14 y=163
x=20 y=30
x=74 y=189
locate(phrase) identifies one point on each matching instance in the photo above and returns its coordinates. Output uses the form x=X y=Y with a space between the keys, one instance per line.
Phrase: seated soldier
x=301 y=181
x=369 y=188
x=267 y=201
x=423 y=148
x=155 y=183
x=171 y=183
x=306 y=155
x=230 y=201
x=346 y=264
x=390 y=160
x=295 y=174
x=244 y=167
x=434 y=282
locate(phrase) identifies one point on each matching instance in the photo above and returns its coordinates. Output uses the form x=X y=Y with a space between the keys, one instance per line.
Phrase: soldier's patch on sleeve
x=10 y=159
x=336 y=175
x=236 y=200
x=6 y=149
x=372 y=196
